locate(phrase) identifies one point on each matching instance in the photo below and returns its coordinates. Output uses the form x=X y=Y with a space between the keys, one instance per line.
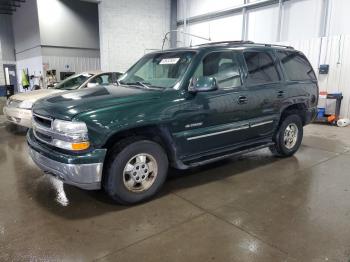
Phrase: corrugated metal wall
x=72 y=64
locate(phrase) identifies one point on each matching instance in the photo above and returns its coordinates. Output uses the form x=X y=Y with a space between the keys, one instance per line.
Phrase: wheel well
x=158 y=134
x=298 y=109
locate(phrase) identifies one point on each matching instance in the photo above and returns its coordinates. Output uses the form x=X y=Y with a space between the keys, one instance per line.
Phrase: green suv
x=182 y=108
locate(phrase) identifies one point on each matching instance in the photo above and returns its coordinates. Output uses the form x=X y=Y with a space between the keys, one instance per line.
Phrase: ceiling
x=8 y=7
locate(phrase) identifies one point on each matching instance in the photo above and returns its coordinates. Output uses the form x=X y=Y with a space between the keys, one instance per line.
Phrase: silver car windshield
x=73 y=82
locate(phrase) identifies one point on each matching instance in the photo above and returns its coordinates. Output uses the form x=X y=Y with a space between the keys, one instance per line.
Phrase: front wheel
x=288 y=136
x=135 y=171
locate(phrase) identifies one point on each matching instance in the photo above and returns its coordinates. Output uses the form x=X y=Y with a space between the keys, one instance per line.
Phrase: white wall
x=129 y=28
x=71 y=60
x=228 y=28
x=198 y=7
x=34 y=66
x=61 y=33
x=301 y=19
x=7 y=48
x=68 y=23
x=263 y=24
x=339 y=17
x=26 y=27
x=6 y=38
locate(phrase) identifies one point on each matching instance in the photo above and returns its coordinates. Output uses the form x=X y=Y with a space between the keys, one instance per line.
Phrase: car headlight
x=26 y=105
x=71 y=135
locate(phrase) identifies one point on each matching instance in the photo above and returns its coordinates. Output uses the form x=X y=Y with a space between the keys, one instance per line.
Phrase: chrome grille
x=42 y=128
x=42 y=121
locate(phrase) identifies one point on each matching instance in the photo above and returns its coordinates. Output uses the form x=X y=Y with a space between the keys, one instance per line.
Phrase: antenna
x=182 y=32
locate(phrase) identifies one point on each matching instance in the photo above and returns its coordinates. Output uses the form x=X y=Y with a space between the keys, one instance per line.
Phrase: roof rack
x=273 y=45
x=245 y=42
x=228 y=42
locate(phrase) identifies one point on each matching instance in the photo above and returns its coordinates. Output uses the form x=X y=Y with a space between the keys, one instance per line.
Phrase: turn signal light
x=80 y=146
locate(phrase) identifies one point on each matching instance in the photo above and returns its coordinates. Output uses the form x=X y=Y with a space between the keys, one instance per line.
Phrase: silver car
x=18 y=108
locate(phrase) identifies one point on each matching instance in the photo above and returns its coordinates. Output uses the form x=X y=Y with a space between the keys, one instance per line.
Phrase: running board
x=209 y=159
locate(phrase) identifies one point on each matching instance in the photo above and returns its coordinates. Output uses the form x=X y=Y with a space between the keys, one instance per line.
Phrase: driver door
x=217 y=119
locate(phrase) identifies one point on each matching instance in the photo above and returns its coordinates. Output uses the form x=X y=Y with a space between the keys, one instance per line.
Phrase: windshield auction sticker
x=169 y=61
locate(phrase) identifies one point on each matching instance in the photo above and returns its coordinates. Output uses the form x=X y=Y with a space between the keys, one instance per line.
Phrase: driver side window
x=223 y=66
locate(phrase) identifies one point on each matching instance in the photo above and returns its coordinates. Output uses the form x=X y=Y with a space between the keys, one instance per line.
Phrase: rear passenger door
x=264 y=89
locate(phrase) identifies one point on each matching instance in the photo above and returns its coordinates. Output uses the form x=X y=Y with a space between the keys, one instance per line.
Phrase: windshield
x=73 y=82
x=160 y=70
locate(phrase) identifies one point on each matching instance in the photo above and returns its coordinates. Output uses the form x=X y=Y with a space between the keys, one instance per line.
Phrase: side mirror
x=202 y=84
x=91 y=84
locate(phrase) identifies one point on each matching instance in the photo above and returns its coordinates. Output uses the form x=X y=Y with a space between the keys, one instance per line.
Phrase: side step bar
x=209 y=159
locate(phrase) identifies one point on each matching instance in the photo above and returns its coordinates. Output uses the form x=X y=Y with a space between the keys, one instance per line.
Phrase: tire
x=283 y=148
x=128 y=177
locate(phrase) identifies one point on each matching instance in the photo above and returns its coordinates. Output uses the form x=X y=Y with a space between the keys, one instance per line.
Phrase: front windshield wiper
x=145 y=85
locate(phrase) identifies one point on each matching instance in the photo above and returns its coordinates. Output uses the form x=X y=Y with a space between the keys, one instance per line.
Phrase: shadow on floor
x=73 y=203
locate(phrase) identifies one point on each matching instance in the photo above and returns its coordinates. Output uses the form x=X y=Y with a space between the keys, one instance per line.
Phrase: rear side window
x=261 y=68
x=296 y=66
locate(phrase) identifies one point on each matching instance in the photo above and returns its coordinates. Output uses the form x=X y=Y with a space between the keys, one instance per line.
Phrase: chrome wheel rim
x=140 y=172
x=290 y=136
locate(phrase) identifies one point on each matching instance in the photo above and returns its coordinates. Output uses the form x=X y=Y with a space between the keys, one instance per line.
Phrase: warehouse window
x=223 y=66
x=261 y=68
x=296 y=65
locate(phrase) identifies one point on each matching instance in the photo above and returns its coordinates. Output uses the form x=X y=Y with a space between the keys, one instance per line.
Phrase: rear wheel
x=288 y=136
x=135 y=171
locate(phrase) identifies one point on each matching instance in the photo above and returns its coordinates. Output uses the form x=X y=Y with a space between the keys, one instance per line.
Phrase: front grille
x=42 y=121
x=42 y=128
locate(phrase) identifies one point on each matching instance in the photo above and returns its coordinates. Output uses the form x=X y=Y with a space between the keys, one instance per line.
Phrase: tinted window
x=73 y=82
x=297 y=67
x=223 y=66
x=261 y=68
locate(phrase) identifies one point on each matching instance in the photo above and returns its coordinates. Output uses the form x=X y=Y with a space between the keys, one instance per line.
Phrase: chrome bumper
x=18 y=116
x=85 y=176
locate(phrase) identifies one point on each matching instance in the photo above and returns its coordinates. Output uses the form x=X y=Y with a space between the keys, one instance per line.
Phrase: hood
x=68 y=104
x=35 y=95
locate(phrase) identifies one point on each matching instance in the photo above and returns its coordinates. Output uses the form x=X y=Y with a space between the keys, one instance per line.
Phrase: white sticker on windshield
x=169 y=61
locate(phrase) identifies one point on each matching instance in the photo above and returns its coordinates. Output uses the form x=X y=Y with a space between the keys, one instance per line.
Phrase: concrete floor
x=254 y=208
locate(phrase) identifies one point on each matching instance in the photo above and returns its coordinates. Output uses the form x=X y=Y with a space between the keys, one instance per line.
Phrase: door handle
x=242 y=100
x=280 y=94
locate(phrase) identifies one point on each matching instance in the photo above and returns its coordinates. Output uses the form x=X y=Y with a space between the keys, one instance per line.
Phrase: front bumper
x=83 y=170
x=18 y=116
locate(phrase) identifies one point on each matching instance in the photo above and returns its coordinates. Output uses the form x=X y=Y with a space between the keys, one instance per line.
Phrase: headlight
x=69 y=127
x=70 y=135
x=26 y=105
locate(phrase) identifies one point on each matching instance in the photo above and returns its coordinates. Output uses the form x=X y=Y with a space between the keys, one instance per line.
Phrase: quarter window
x=296 y=66
x=261 y=68
x=223 y=66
